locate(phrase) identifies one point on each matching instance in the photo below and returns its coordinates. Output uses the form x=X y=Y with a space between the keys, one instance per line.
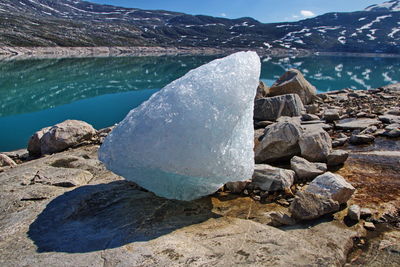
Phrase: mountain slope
x=393 y=5
x=80 y=23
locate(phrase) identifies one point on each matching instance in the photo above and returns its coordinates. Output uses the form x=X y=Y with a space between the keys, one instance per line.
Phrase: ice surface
x=192 y=136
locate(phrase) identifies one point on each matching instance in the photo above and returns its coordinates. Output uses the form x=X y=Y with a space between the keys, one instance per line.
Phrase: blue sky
x=262 y=10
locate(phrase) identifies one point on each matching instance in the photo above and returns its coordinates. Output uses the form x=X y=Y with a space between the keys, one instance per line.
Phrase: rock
x=236 y=187
x=268 y=178
x=312 y=108
x=331 y=115
x=340 y=141
x=34 y=146
x=360 y=139
x=280 y=219
x=365 y=213
x=154 y=147
x=389 y=119
x=262 y=90
x=337 y=157
x=312 y=125
x=271 y=108
x=332 y=186
x=20 y=154
x=62 y=177
x=65 y=135
x=306 y=170
x=354 y=212
x=394 y=133
x=315 y=145
x=394 y=111
x=369 y=226
x=308 y=206
x=369 y=130
x=263 y=124
x=356 y=124
x=293 y=82
x=279 y=142
x=309 y=117
x=6 y=161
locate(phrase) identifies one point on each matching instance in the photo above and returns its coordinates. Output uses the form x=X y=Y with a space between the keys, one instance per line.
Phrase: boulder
x=331 y=115
x=306 y=170
x=280 y=141
x=34 y=146
x=271 y=108
x=312 y=108
x=315 y=145
x=309 y=117
x=268 y=178
x=262 y=90
x=6 y=161
x=337 y=157
x=65 y=135
x=361 y=139
x=354 y=212
x=308 y=206
x=236 y=187
x=293 y=82
x=332 y=186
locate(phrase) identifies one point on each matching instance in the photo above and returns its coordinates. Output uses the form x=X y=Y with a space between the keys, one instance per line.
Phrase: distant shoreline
x=13 y=53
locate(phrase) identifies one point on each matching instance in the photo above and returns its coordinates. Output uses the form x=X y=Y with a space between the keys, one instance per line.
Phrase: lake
x=36 y=93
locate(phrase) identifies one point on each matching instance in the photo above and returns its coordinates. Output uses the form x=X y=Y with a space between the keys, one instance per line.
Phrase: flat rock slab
x=356 y=124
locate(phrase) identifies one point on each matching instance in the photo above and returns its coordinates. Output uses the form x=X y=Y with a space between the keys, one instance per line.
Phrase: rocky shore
x=325 y=192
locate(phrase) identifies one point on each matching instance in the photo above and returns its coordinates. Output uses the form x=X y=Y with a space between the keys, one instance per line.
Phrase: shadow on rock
x=98 y=217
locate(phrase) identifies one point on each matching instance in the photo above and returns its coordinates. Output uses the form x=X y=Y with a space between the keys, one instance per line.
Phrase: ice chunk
x=194 y=135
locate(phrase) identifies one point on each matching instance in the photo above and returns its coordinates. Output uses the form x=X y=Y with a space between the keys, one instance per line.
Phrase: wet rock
x=308 y=206
x=354 y=212
x=306 y=170
x=268 y=178
x=236 y=187
x=361 y=139
x=337 y=157
x=262 y=90
x=6 y=161
x=279 y=142
x=332 y=186
x=271 y=108
x=34 y=146
x=293 y=82
x=65 y=135
x=331 y=115
x=315 y=145
x=356 y=124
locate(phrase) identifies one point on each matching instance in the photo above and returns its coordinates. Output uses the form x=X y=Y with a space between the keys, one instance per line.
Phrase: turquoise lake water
x=42 y=92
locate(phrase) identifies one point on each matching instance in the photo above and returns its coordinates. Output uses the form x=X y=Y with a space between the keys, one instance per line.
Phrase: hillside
x=81 y=23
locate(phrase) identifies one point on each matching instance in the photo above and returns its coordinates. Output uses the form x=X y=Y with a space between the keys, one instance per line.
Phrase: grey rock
x=236 y=187
x=389 y=119
x=280 y=219
x=305 y=169
x=271 y=108
x=268 y=178
x=360 y=139
x=339 y=141
x=309 y=117
x=356 y=124
x=65 y=135
x=394 y=133
x=21 y=154
x=369 y=130
x=394 y=111
x=262 y=90
x=365 y=213
x=354 y=212
x=6 y=161
x=279 y=142
x=312 y=125
x=332 y=186
x=34 y=146
x=337 y=157
x=331 y=115
x=315 y=145
x=293 y=82
x=308 y=206
x=312 y=108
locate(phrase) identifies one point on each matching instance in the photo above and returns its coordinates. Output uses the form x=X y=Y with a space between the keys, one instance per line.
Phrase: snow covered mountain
x=82 y=23
x=393 y=5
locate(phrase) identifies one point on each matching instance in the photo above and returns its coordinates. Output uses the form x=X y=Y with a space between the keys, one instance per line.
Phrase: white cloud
x=223 y=14
x=307 y=13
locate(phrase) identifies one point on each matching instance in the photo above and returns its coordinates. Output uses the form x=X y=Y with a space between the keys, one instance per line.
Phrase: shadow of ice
x=98 y=217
